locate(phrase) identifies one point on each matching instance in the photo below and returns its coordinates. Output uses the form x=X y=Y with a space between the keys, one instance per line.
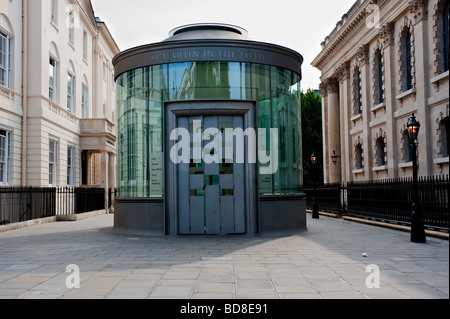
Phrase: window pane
x=70 y=89
x=84 y=101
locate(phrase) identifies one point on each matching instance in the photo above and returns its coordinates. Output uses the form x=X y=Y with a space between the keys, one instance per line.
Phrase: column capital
x=362 y=55
x=323 y=89
x=343 y=71
x=332 y=85
x=418 y=9
x=387 y=34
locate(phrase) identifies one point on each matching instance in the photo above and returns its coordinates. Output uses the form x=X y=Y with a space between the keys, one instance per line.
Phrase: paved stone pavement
x=325 y=262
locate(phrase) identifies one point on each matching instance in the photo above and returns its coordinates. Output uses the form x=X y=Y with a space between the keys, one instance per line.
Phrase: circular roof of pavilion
x=207 y=42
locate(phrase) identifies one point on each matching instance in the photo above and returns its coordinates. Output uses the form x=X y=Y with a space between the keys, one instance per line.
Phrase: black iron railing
x=388 y=200
x=391 y=200
x=329 y=198
x=18 y=204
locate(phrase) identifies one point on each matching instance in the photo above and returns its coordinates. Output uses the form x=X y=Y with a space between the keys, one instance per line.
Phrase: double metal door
x=211 y=192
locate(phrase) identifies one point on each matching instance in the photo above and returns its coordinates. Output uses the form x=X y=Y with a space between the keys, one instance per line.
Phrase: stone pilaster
x=334 y=128
x=345 y=97
x=390 y=65
x=418 y=11
x=324 y=91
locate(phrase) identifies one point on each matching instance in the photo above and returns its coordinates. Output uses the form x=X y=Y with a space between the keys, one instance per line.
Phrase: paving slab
x=333 y=259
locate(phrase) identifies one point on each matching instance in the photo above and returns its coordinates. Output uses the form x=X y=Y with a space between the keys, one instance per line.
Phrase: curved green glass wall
x=141 y=94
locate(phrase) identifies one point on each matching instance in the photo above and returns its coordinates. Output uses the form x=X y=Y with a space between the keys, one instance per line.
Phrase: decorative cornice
x=349 y=26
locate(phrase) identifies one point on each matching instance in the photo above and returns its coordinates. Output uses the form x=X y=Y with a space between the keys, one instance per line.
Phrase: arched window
x=445 y=35
x=380 y=151
x=6 y=52
x=357 y=87
x=407 y=149
x=444 y=137
x=379 y=82
x=359 y=156
x=406 y=51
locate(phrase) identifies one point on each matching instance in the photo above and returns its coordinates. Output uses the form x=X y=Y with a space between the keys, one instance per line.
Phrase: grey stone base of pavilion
x=147 y=216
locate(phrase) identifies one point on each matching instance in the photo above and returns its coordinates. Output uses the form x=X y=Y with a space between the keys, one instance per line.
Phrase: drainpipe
x=24 y=90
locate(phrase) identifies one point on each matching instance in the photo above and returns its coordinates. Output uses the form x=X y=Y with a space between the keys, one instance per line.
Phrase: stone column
x=104 y=180
x=112 y=179
x=390 y=67
x=326 y=153
x=418 y=10
x=334 y=129
x=363 y=63
x=343 y=73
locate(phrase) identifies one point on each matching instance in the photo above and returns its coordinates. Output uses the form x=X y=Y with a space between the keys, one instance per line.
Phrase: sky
x=300 y=25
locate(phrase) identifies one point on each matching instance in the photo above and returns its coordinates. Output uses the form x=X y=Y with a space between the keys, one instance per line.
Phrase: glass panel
x=141 y=94
x=286 y=117
x=209 y=80
x=140 y=161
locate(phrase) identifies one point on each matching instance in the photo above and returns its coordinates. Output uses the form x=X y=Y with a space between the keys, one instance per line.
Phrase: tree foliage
x=312 y=133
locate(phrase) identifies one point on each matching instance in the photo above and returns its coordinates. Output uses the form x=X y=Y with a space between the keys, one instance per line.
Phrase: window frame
x=84 y=101
x=5 y=136
x=85 y=45
x=407 y=60
x=71 y=28
x=52 y=162
x=70 y=165
x=445 y=36
x=54 y=11
x=53 y=90
x=379 y=77
x=380 y=148
x=357 y=86
x=70 y=92
x=6 y=66
x=359 y=156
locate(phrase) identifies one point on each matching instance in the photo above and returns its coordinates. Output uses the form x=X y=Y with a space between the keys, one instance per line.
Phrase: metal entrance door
x=211 y=195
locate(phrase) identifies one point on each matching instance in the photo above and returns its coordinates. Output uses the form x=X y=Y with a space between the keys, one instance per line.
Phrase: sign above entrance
x=212 y=50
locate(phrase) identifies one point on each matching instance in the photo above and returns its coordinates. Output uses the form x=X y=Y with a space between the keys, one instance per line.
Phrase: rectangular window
x=70 y=92
x=379 y=78
x=359 y=163
x=381 y=152
x=53 y=79
x=85 y=45
x=445 y=34
x=53 y=11
x=357 y=91
x=71 y=27
x=5 y=60
x=84 y=101
x=407 y=149
x=52 y=162
x=408 y=75
x=5 y=154
x=70 y=165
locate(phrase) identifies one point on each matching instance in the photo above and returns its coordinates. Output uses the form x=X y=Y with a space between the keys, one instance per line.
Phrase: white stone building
x=384 y=61
x=57 y=95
